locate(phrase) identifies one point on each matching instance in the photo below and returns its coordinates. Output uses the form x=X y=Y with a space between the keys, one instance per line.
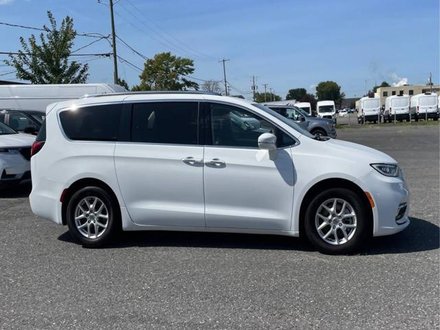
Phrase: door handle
x=192 y=162
x=215 y=162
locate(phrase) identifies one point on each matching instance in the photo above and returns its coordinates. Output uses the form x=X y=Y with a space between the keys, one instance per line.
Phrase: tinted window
x=95 y=123
x=41 y=136
x=19 y=121
x=165 y=122
x=231 y=126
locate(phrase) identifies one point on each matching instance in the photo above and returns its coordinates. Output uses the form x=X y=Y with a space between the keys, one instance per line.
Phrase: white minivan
x=199 y=162
x=396 y=108
x=368 y=109
x=424 y=106
x=326 y=109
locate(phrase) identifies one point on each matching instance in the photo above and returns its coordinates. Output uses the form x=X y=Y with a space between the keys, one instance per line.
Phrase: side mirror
x=267 y=141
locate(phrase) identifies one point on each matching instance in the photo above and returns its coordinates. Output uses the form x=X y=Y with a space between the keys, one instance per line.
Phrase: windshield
x=326 y=108
x=285 y=120
x=305 y=109
x=5 y=129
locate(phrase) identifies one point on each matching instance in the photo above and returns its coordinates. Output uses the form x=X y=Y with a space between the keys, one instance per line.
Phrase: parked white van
x=396 y=108
x=306 y=106
x=38 y=97
x=424 y=106
x=326 y=109
x=199 y=162
x=369 y=109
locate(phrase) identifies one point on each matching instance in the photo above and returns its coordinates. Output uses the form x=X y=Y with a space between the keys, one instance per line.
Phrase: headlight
x=387 y=169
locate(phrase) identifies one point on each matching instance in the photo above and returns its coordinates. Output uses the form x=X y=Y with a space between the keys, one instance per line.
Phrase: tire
x=319 y=132
x=98 y=220
x=318 y=213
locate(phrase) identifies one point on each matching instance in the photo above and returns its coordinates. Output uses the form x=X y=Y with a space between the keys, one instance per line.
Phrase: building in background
x=384 y=92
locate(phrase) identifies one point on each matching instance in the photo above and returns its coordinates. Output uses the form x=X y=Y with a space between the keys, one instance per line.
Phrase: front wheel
x=91 y=216
x=336 y=221
x=319 y=132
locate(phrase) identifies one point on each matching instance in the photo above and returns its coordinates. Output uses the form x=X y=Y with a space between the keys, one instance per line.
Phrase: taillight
x=417 y=109
x=36 y=146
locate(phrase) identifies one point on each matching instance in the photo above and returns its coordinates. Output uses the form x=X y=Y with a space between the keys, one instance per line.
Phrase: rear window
x=94 y=123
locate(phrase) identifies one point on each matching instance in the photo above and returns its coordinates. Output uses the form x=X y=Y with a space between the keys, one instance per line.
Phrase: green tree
x=296 y=94
x=383 y=84
x=123 y=83
x=212 y=86
x=167 y=72
x=259 y=97
x=329 y=90
x=48 y=62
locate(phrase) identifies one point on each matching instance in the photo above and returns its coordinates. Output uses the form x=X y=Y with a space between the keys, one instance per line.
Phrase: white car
x=197 y=162
x=15 y=153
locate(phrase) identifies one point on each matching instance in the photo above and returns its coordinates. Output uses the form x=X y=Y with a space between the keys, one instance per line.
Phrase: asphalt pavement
x=169 y=280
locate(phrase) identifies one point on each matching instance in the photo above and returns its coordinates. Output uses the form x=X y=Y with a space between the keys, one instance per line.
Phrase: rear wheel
x=336 y=221
x=91 y=216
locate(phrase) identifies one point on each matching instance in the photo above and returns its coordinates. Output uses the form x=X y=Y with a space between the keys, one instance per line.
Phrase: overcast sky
x=285 y=44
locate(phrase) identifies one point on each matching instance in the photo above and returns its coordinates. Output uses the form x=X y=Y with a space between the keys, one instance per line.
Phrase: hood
x=16 y=140
x=321 y=120
x=353 y=153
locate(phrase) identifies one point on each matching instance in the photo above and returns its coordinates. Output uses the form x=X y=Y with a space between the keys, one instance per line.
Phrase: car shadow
x=17 y=191
x=421 y=235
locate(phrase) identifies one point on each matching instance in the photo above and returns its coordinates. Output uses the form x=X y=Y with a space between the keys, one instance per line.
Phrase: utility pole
x=430 y=80
x=254 y=87
x=265 y=91
x=224 y=75
x=115 y=58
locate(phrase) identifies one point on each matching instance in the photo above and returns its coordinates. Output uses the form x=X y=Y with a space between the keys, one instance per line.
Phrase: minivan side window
x=236 y=127
x=165 y=122
x=94 y=123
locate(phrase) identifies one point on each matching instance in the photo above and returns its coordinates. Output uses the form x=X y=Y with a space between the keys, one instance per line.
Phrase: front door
x=160 y=171
x=246 y=187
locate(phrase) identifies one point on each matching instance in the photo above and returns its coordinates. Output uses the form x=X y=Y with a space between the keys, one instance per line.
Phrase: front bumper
x=392 y=206
x=14 y=168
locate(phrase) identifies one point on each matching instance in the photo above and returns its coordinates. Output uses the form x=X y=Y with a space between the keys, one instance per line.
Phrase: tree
x=48 y=63
x=123 y=83
x=296 y=94
x=167 y=72
x=212 y=86
x=383 y=84
x=259 y=97
x=329 y=90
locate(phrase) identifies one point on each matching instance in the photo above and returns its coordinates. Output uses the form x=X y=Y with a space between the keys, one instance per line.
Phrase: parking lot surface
x=230 y=281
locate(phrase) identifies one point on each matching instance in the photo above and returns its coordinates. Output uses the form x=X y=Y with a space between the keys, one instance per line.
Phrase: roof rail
x=151 y=93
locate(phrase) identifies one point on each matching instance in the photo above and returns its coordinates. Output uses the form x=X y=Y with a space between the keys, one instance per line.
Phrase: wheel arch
x=85 y=182
x=333 y=183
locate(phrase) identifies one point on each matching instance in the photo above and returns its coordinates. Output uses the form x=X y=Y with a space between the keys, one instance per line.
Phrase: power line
x=25 y=53
x=129 y=63
x=5 y=74
x=91 y=43
x=89 y=35
x=131 y=48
